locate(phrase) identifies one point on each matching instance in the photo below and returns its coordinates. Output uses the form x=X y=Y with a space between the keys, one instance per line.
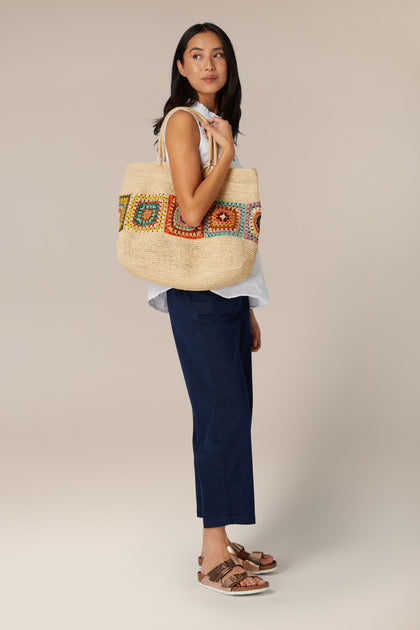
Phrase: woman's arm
x=194 y=195
x=255 y=332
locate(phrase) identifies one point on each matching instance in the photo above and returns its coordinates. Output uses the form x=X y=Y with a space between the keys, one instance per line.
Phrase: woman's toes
x=266 y=559
x=251 y=581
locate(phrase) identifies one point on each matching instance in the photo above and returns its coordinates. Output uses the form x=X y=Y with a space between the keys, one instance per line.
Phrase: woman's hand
x=255 y=332
x=221 y=132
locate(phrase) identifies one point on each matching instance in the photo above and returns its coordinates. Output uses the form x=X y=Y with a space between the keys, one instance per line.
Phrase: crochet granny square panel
x=159 y=213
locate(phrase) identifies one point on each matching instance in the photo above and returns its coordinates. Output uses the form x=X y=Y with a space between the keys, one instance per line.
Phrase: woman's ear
x=179 y=66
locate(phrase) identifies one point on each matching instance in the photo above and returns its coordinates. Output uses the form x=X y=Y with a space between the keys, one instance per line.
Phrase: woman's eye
x=197 y=55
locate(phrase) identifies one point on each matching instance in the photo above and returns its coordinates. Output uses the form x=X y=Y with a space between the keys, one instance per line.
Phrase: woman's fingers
x=214 y=119
x=220 y=129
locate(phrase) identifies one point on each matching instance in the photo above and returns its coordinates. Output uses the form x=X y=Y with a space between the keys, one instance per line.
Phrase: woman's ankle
x=215 y=542
x=213 y=548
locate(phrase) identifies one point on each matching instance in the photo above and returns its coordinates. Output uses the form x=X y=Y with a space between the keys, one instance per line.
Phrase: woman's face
x=204 y=57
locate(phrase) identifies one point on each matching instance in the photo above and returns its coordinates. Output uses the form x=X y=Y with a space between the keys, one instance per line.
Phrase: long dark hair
x=182 y=93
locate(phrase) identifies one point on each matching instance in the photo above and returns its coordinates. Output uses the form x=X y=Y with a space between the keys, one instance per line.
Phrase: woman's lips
x=209 y=79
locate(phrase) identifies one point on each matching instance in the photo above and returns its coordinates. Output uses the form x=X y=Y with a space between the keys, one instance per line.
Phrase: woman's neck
x=209 y=103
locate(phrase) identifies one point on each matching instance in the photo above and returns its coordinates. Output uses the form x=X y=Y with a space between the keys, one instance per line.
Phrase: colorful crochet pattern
x=253 y=221
x=174 y=223
x=124 y=201
x=225 y=217
x=146 y=213
x=158 y=213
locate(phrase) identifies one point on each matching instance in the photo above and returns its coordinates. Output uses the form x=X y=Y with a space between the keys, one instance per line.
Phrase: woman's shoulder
x=182 y=124
x=182 y=121
x=181 y=113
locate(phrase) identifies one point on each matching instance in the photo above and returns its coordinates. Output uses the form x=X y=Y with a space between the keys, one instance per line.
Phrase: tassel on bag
x=155 y=244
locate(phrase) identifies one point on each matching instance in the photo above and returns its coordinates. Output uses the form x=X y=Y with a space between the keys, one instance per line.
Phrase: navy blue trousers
x=213 y=340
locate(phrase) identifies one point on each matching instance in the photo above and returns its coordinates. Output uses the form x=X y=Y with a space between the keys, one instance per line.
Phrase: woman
x=215 y=331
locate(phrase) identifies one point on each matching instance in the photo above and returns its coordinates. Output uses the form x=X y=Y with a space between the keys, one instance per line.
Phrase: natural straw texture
x=156 y=245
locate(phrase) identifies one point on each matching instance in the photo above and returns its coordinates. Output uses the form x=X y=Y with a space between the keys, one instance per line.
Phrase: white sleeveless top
x=254 y=285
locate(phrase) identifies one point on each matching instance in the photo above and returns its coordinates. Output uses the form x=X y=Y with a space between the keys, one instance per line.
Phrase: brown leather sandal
x=249 y=561
x=218 y=579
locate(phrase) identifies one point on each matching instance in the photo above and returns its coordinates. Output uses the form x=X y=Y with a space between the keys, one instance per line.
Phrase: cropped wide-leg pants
x=213 y=340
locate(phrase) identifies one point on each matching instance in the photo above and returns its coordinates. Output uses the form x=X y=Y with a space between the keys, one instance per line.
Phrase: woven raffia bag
x=156 y=245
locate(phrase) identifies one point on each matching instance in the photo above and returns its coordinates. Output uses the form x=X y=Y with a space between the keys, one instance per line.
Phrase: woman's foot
x=216 y=557
x=266 y=559
x=215 y=551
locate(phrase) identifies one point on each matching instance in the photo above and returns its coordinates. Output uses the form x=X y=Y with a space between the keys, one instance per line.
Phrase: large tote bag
x=155 y=244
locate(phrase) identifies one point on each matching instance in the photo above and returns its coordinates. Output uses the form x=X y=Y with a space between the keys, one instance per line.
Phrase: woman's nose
x=209 y=64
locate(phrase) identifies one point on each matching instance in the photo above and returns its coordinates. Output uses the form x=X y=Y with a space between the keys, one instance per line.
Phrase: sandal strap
x=235 y=547
x=220 y=570
x=255 y=557
x=239 y=551
x=233 y=579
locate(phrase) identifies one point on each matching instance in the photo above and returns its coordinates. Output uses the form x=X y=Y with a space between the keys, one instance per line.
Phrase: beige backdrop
x=98 y=506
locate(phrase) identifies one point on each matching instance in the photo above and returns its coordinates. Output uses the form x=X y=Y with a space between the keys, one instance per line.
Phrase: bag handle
x=212 y=159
